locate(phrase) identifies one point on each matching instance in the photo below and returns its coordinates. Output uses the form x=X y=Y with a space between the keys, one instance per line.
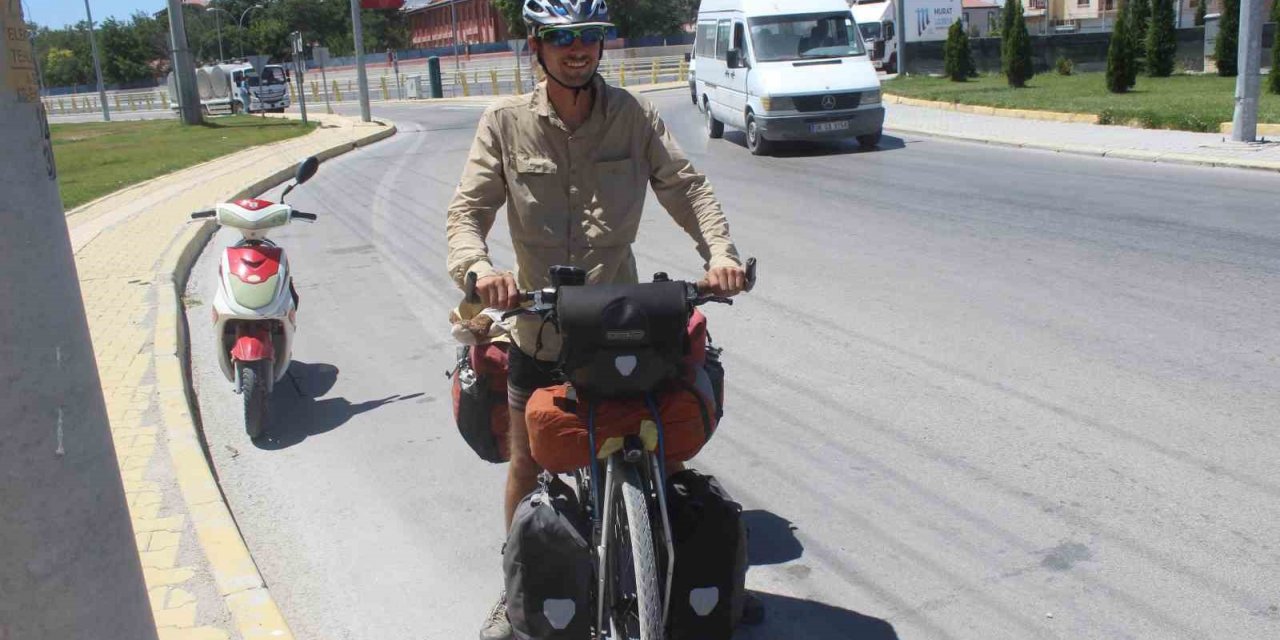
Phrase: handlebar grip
x=751 y=273
x=203 y=213
x=470 y=288
x=304 y=215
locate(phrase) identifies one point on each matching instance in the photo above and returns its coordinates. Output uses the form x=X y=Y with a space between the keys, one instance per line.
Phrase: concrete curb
x=1023 y=114
x=253 y=610
x=1101 y=152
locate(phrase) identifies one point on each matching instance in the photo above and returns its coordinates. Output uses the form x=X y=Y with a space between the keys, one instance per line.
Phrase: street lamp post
x=242 y=15
x=97 y=65
x=217 y=22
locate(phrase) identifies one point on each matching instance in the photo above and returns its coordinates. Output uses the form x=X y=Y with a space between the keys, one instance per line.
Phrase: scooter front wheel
x=253 y=391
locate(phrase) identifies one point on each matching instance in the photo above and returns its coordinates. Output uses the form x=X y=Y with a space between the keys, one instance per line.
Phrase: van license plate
x=827 y=127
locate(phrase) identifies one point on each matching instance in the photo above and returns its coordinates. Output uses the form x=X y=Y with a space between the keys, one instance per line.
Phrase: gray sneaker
x=496 y=626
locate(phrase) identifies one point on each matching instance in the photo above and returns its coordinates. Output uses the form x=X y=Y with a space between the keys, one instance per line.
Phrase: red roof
x=979 y=4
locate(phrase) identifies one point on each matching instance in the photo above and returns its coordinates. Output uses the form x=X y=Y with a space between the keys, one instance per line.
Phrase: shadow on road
x=794 y=618
x=785 y=149
x=771 y=539
x=297 y=414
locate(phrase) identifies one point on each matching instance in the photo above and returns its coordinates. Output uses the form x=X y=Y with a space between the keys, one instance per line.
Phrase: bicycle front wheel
x=643 y=620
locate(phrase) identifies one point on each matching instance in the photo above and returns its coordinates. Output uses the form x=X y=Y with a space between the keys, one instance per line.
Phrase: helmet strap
x=577 y=90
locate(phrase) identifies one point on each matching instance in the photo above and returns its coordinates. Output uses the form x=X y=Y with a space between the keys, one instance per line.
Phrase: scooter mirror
x=307 y=169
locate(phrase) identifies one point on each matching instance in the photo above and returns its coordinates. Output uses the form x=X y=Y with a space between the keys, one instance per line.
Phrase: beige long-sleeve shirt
x=575 y=197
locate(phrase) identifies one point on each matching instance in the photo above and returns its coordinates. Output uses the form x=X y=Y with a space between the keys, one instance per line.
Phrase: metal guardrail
x=502 y=78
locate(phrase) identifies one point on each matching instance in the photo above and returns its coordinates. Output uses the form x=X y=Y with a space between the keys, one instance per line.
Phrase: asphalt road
x=979 y=393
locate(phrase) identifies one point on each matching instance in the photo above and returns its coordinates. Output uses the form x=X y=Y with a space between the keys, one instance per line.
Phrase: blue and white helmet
x=540 y=14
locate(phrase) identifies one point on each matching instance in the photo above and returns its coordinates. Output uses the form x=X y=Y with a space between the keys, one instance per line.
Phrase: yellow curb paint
x=165 y=577
x=257 y=616
x=1264 y=129
x=161 y=559
x=198 y=633
x=184 y=616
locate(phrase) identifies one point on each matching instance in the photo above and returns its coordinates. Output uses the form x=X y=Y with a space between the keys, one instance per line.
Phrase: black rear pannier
x=622 y=339
x=547 y=562
x=708 y=588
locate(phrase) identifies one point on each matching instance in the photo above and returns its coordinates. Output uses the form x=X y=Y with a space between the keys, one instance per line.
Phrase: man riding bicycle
x=572 y=163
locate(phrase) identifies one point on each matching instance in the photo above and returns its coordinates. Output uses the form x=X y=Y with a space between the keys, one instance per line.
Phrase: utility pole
x=1244 y=126
x=71 y=568
x=361 y=78
x=184 y=72
x=299 y=65
x=97 y=65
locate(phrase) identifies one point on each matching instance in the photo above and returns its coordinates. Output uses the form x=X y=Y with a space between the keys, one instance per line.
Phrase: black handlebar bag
x=622 y=340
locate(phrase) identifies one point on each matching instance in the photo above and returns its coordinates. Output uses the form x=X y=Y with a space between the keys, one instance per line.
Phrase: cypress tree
x=1006 y=20
x=1227 y=47
x=1120 y=56
x=957 y=58
x=1139 y=19
x=1202 y=10
x=1015 y=51
x=1162 y=42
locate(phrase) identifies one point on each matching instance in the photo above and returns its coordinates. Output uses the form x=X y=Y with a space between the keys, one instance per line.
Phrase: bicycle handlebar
x=699 y=292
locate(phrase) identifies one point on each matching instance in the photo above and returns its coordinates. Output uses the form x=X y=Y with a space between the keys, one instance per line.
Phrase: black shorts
x=526 y=375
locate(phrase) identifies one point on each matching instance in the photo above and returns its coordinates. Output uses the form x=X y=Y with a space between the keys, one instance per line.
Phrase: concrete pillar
x=69 y=567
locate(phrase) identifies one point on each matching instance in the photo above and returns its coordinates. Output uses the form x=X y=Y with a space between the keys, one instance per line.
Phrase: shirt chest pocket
x=619 y=198
x=538 y=198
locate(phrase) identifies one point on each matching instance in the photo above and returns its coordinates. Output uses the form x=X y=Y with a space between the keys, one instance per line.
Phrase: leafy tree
x=1015 y=50
x=125 y=56
x=511 y=13
x=1202 y=10
x=1162 y=42
x=1121 y=71
x=958 y=59
x=62 y=68
x=1226 y=48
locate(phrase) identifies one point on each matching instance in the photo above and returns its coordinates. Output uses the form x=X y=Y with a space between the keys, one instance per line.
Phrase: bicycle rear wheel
x=637 y=596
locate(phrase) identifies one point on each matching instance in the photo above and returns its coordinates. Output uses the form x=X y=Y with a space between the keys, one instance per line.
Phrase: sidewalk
x=1151 y=145
x=131 y=247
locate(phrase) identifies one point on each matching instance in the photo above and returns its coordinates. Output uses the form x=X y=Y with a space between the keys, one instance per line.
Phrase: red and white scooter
x=254 y=309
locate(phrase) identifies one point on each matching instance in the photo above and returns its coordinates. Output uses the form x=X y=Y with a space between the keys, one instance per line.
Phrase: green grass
x=1185 y=102
x=95 y=159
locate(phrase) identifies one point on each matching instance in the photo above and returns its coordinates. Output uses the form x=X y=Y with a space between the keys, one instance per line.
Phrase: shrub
x=1065 y=66
x=1227 y=47
x=1120 y=63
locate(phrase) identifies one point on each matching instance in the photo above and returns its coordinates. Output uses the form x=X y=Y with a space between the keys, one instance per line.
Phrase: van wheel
x=715 y=128
x=756 y=142
x=870 y=140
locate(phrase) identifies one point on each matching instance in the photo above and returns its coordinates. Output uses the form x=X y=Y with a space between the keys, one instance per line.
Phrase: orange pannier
x=558 y=425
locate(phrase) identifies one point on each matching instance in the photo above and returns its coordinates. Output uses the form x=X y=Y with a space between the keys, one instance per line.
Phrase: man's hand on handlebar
x=499 y=291
x=726 y=281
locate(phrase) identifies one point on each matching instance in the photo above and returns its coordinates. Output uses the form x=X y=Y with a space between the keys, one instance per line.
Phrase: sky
x=58 y=13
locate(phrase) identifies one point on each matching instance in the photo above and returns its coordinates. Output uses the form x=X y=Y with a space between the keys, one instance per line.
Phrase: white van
x=785 y=70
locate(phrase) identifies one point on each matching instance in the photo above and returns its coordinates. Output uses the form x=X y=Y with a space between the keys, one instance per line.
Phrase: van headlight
x=773 y=103
x=871 y=97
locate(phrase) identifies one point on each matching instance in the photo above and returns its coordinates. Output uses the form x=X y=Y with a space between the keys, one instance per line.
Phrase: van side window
x=722 y=40
x=706 y=46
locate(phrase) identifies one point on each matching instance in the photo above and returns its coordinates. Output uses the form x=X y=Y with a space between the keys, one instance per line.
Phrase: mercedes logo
x=828 y=102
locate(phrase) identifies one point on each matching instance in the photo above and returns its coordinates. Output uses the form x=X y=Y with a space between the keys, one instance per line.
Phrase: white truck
x=238 y=88
x=927 y=20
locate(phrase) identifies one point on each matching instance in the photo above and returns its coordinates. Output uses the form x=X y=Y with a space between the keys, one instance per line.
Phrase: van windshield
x=870 y=30
x=805 y=36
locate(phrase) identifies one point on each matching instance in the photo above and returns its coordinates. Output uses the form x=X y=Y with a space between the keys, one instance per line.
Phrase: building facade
x=431 y=23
